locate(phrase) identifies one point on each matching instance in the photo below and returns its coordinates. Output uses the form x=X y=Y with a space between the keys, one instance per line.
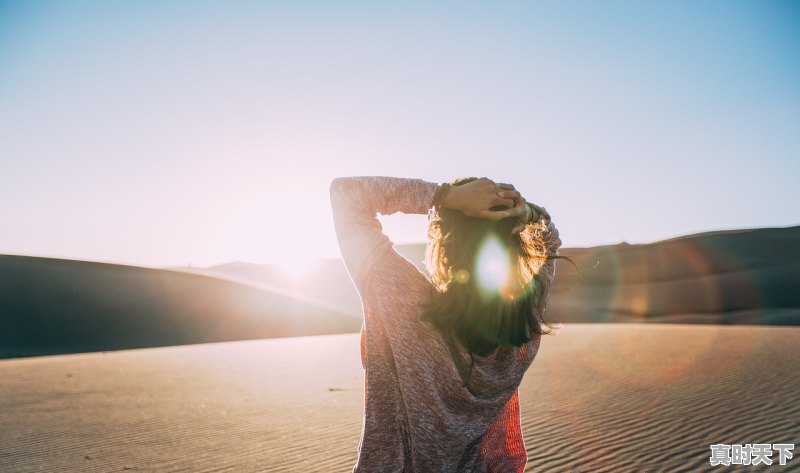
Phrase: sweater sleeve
x=355 y=201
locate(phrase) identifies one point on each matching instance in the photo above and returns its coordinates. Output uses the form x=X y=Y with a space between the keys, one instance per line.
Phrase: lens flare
x=493 y=266
x=461 y=276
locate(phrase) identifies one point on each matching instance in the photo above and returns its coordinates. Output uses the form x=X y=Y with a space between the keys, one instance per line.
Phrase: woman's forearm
x=355 y=203
x=384 y=194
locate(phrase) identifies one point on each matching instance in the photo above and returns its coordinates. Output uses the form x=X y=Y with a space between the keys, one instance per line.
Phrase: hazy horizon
x=167 y=134
x=299 y=273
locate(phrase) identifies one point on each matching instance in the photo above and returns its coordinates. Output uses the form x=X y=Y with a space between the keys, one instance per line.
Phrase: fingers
x=490 y=215
x=508 y=193
x=505 y=186
x=512 y=194
x=505 y=202
x=518 y=211
x=501 y=214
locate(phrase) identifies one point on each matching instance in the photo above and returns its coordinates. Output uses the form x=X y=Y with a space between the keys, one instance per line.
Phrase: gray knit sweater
x=419 y=414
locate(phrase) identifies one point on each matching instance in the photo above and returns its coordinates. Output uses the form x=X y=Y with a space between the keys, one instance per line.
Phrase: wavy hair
x=484 y=319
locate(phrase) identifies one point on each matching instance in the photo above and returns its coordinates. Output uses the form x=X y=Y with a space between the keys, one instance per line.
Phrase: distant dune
x=52 y=306
x=599 y=398
x=728 y=277
x=327 y=284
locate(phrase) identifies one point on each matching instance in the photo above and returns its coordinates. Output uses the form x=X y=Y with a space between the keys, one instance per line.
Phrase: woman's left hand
x=476 y=198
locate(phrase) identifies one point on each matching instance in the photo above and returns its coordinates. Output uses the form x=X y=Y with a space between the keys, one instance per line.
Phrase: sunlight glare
x=296 y=266
x=494 y=267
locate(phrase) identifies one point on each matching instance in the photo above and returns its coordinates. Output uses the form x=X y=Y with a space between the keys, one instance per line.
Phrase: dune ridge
x=742 y=276
x=51 y=306
x=55 y=306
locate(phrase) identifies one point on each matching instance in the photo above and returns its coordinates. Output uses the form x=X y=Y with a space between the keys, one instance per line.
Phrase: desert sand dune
x=598 y=398
x=729 y=276
x=327 y=283
x=54 y=306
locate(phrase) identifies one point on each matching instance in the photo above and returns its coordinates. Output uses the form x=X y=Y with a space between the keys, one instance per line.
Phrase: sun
x=295 y=265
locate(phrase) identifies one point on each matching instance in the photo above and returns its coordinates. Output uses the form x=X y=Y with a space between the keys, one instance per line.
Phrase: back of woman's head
x=489 y=292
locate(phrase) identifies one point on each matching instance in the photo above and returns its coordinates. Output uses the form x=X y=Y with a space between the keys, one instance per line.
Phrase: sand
x=620 y=397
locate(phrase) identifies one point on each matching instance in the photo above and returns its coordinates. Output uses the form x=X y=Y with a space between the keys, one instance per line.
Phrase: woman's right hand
x=533 y=212
x=508 y=191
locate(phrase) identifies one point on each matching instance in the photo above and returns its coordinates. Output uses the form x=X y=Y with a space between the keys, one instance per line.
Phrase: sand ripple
x=599 y=398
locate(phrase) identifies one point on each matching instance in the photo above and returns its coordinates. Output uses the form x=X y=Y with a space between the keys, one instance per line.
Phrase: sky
x=174 y=133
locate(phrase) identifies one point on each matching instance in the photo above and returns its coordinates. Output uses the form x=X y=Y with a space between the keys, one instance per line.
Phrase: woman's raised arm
x=355 y=201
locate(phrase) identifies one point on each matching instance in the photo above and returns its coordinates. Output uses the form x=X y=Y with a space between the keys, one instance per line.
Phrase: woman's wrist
x=540 y=214
x=440 y=198
x=532 y=215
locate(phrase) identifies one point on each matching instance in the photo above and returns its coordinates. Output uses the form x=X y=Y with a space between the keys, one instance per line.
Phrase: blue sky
x=163 y=133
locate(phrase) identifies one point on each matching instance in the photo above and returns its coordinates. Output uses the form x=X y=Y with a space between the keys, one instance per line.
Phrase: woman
x=443 y=358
